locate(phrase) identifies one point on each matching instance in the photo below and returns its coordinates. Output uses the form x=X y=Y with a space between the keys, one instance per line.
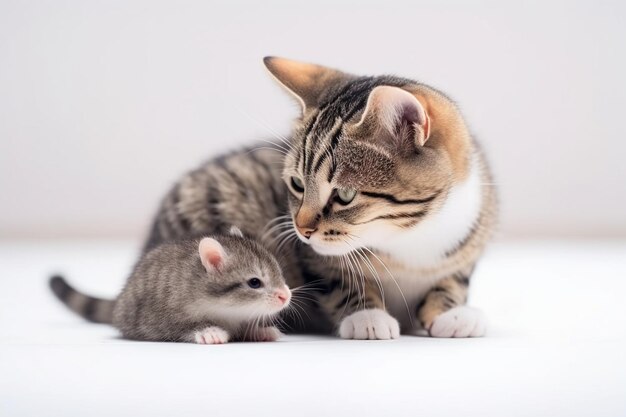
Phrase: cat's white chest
x=423 y=249
x=425 y=245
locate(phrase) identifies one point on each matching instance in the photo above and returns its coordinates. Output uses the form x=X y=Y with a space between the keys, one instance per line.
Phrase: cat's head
x=370 y=157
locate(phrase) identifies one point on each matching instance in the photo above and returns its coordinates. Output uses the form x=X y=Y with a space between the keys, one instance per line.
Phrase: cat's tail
x=96 y=310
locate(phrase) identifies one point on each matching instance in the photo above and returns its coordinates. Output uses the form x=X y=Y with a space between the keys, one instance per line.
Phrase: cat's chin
x=330 y=250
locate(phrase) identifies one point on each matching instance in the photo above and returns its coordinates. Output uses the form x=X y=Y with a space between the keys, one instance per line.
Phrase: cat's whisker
x=278 y=145
x=281 y=237
x=265 y=125
x=258 y=148
x=302 y=297
x=408 y=310
x=295 y=308
x=307 y=284
x=371 y=268
x=342 y=264
x=291 y=238
x=275 y=228
x=362 y=274
x=354 y=276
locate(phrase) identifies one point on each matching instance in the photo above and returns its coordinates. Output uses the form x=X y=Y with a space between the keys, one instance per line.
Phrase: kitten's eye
x=346 y=195
x=255 y=283
x=297 y=184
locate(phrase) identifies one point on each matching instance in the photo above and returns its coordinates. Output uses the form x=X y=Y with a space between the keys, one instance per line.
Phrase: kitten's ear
x=306 y=82
x=398 y=112
x=212 y=254
x=235 y=231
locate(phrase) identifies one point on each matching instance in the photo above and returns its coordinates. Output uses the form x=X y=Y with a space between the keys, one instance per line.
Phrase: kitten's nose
x=283 y=295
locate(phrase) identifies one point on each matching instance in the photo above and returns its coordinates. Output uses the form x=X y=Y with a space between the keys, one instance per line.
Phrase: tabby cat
x=380 y=201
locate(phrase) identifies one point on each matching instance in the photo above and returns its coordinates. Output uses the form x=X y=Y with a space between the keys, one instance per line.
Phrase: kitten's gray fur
x=170 y=295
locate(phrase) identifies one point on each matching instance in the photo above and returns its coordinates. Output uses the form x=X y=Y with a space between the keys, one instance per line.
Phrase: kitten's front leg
x=212 y=335
x=358 y=311
x=263 y=334
x=443 y=312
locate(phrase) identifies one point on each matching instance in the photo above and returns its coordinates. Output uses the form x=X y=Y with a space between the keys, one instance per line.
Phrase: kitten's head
x=242 y=277
x=367 y=159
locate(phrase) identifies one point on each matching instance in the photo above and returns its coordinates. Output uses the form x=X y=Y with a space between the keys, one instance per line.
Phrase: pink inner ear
x=214 y=259
x=211 y=253
x=394 y=107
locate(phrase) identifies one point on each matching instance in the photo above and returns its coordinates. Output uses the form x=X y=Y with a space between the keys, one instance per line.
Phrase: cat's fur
x=193 y=290
x=399 y=257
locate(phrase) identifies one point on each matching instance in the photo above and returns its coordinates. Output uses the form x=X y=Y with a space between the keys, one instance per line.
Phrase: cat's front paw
x=461 y=321
x=211 y=336
x=369 y=324
x=265 y=334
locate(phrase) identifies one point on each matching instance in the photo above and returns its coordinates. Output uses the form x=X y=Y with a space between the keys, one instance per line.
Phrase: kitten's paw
x=461 y=321
x=211 y=336
x=265 y=334
x=369 y=324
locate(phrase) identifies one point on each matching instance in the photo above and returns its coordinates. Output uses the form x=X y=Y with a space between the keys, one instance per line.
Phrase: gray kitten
x=206 y=290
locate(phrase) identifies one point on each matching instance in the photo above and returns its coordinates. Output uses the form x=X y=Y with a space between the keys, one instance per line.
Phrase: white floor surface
x=556 y=346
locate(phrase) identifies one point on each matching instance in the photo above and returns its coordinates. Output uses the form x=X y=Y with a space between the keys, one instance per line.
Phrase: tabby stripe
x=463 y=242
x=332 y=104
x=183 y=223
x=277 y=199
x=226 y=290
x=448 y=302
x=89 y=309
x=320 y=161
x=343 y=301
x=394 y=200
x=335 y=140
x=416 y=214
x=241 y=187
x=307 y=133
x=340 y=94
x=328 y=149
x=462 y=280
x=213 y=201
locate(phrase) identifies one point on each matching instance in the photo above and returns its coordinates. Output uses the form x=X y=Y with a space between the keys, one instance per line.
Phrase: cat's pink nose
x=283 y=295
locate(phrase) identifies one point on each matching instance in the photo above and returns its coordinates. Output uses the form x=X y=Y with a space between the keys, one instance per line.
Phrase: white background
x=103 y=104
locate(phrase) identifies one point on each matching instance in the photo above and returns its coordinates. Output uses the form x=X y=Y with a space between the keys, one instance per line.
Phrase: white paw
x=211 y=336
x=369 y=324
x=266 y=334
x=462 y=321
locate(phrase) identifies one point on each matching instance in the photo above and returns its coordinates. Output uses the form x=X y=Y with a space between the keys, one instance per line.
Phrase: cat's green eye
x=346 y=195
x=297 y=184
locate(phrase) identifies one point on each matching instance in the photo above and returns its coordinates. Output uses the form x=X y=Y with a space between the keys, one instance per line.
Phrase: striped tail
x=96 y=310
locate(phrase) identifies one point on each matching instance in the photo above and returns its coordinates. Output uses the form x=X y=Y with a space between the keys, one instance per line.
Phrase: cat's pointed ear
x=235 y=231
x=306 y=82
x=212 y=254
x=398 y=112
